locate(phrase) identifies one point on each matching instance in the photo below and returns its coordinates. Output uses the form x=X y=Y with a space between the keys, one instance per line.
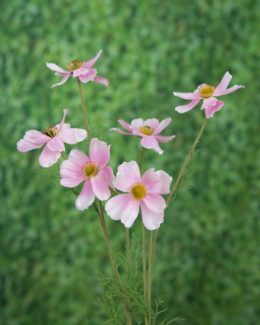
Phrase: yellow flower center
x=146 y=130
x=138 y=191
x=74 y=65
x=206 y=91
x=90 y=169
x=51 y=131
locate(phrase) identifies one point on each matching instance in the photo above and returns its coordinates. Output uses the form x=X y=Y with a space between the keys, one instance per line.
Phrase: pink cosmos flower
x=142 y=192
x=52 y=139
x=92 y=170
x=78 y=69
x=207 y=93
x=149 y=130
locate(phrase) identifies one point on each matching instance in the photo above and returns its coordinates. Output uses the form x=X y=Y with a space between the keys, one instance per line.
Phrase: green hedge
x=207 y=261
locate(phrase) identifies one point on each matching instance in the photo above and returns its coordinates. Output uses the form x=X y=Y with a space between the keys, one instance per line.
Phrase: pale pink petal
x=157 y=182
x=71 y=174
x=222 y=86
x=121 y=131
x=99 y=152
x=89 y=76
x=32 y=139
x=187 y=96
x=107 y=173
x=90 y=63
x=162 y=138
x=54 y=67
x=128 y=174
x=56 y=144
x=187 y=107
x=163 y=124
x=48 y=158
x=136 y=124
x=116 y=205
x=24 y=146
x=61 y=124
x=101 y=80
x=86 y=197
x=151 y=220
x=100 y=187
x=78 y=158
x=150 y=142
x=211 y=106
x=125 y=125
x=80 y=71
x=232 y=89
x=63 y=80
x=154 y=202
x=36 y=137
x=73 y=135
x=130 y=213
x=152 y=123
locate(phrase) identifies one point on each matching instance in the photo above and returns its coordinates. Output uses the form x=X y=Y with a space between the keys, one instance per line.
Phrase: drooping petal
x=100 y=187
x=187 y=96
x=71 y=174
x=211 y=106
x=150 y=142
x=162 y=138
x=54 y=67
x=101 y=80
x=157 y=182
x=78 y=158
x=80 y=71
x=73 y=135
x=155 y=202
x=89 y=76
x=222 y=86
x=187 y=107
x=99 y=152
x=56 y=144
x=91 y=62
x=163 y=124
x=125 y=125
x=151 y=220
x=116 y=205
x=24 y=146
x=127 y=175
x=48 y=158
x=86 y=197
x=63 y=80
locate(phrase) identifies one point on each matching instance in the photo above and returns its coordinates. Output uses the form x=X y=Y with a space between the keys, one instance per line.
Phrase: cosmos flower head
x=141 y=192
x=91 y=170
x=52 y=140
x=83 y=70
x=148 y=130
x=207 y=93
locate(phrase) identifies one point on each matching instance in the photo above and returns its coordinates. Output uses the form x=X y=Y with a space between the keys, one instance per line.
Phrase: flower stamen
x=51 y=131
x=146 y=130
x=138 y=191
x=206 y=91
x=74 y=65
x=90 y=169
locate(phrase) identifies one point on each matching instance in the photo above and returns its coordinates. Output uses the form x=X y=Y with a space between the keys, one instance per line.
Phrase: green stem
x=84 y=109
x=186 y=162
x=153 y=235
x=144 y=273
x=100 y=211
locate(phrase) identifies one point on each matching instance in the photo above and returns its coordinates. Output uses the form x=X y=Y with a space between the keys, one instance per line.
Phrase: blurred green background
x=207 y=259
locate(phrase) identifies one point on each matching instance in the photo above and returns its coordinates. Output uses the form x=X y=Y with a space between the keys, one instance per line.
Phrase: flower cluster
x=139 y=192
